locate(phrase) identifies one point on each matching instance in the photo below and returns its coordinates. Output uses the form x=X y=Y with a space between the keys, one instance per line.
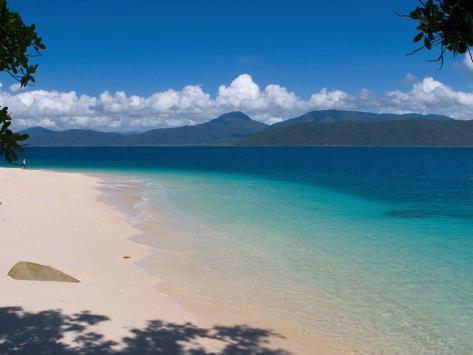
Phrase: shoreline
x=56 y=219
x=178 y=266
x=64 y=220
x=291 y=337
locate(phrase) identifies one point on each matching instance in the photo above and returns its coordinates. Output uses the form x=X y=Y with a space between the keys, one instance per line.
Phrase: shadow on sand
x=24 y=332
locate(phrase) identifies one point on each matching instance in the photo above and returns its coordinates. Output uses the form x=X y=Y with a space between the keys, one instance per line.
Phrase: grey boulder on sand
x=25 y=270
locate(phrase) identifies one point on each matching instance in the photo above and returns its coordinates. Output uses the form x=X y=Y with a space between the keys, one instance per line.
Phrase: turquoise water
x=371 y=245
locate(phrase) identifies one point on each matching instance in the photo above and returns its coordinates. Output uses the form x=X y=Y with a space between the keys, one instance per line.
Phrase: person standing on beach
x=23 y=163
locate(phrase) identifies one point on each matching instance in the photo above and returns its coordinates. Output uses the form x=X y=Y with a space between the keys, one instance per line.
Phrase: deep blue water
x=372 y=243
x=433 y=175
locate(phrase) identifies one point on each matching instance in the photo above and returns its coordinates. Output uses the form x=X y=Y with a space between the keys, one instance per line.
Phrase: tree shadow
x=44 y=332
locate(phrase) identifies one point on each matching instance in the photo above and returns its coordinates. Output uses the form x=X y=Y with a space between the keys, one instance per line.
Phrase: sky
x=117 y=65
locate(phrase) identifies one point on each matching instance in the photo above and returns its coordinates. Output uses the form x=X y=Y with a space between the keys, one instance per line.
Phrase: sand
x=59 y=219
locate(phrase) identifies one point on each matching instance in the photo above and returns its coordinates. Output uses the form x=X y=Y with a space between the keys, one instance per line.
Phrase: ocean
x=373 y=246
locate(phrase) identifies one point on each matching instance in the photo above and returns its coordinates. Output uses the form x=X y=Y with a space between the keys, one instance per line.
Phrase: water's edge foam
x=129 y=196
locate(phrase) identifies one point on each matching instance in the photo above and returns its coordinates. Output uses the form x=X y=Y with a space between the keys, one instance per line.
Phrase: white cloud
x=432 y=96
x=243 y=90
x=468 y=63
x=15 y=87
x=192 y=105
x=325 y=99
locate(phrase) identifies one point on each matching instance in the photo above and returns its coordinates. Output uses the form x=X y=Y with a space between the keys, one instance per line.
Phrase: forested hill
x=316 y=128
x=399 y=133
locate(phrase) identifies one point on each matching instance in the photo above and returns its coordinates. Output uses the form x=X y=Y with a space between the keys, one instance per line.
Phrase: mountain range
x=316 y=128
x=224 y=130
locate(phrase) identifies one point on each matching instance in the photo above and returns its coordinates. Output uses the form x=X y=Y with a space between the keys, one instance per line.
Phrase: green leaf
x=427 y=43
x=418 y=37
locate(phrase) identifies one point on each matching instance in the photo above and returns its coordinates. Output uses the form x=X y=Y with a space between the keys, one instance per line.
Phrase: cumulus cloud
x=325 y=99
x=192 y=105
x=432 y=96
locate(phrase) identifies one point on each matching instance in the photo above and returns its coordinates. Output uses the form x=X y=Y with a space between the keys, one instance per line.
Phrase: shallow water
x=372 y=245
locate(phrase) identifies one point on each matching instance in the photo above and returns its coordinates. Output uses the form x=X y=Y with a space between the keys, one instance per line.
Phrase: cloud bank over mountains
x=192 y=105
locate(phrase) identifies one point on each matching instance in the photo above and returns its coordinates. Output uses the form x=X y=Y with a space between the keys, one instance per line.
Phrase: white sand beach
x=58 y=219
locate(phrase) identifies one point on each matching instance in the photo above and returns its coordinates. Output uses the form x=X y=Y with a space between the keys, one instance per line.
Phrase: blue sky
x=144 y=47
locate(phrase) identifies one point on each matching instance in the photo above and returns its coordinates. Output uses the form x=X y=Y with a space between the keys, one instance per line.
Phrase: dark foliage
x=18 y=44
x=9 y=141
x=42 y=333
x=447 y=24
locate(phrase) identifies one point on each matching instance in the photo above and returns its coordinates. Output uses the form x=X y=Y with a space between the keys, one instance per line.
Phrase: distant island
x=316 y=128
